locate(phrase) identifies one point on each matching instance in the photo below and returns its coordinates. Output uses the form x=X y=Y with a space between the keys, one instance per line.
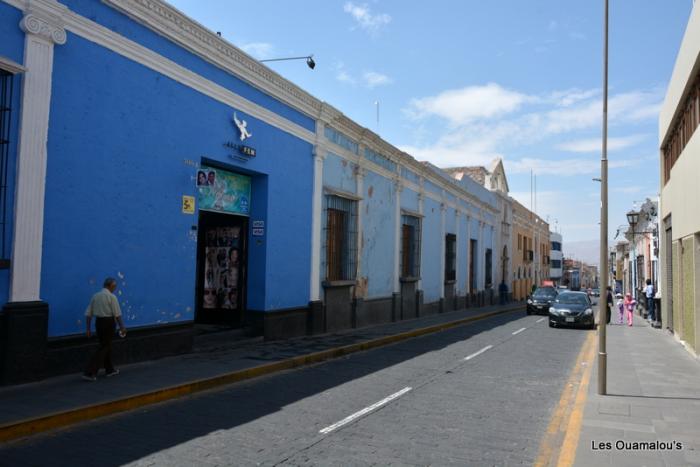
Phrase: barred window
x=341 y=238
x=410 y=246
x=6 y=89
x=489 y=259
x=556 y=264
x=450 y=257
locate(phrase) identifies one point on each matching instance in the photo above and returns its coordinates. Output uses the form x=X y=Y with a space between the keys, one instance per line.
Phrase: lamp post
x=309 y=60
x=602 y=309
x=633 y=219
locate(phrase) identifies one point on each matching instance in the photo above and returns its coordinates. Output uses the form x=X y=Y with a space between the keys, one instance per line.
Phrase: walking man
x=104 y=307
x=649 y=293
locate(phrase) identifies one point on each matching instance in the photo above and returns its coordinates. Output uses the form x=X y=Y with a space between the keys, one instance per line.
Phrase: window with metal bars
x=341 y=238
x=488 y=265
x=6 y=89
x=410 y=246
x=450 y=257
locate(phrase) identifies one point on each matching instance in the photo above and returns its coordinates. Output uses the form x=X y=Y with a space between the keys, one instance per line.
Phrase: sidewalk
x=653 y=387
x=65 y=400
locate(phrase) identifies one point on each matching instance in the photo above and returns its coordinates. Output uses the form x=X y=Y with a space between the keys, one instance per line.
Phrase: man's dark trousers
x=103 y=355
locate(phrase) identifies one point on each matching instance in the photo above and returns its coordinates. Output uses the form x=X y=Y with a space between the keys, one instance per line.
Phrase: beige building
x=530 y=251
x=680 y=192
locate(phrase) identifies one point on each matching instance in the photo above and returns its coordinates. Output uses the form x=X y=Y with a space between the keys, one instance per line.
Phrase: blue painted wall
x=120 y=137
x=431 y=256
x=11 y=47
x=409 y=200
x=378 y=232
x=339 y=173
x=123 y=25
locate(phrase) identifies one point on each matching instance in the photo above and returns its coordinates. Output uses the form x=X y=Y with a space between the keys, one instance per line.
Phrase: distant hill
x=587 y=251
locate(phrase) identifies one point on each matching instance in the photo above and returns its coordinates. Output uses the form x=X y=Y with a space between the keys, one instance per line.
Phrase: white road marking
x=540 y=320
x=479 y=352
x=519 y=331
x=364 y=411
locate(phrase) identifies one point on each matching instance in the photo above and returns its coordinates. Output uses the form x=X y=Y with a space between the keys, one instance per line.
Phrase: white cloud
x=344 y=77
x=373 y=79
x=259 y=50
x=572 y=96
x=461 y=106
x=563 y=167
x=626 y=107
x=595 y=144
x=364 y=17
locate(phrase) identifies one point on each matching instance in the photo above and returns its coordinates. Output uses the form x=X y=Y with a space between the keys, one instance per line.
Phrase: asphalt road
x=480 y=394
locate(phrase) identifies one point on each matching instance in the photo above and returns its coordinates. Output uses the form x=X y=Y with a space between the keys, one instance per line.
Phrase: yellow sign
x=187 y=204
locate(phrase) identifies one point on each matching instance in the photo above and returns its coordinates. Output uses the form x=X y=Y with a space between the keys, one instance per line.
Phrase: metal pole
x=603 y=304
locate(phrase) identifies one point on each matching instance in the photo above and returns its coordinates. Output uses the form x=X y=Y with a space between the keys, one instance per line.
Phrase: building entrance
x=221 y=268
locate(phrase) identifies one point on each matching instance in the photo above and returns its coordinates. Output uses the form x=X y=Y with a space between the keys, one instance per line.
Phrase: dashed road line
x=364 y=411
x=540 y=320
x=475 y=354
x=519 y=331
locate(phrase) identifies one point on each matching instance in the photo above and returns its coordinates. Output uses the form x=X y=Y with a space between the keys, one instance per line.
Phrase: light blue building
x=138 y=145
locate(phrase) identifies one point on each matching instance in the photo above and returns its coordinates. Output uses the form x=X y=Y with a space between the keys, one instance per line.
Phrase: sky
x=463 y=82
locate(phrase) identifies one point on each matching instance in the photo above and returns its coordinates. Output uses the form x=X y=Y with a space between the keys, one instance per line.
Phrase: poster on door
x=221 y=268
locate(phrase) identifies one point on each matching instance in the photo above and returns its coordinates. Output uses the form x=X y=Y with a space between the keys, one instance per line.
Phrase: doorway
x=221 y=268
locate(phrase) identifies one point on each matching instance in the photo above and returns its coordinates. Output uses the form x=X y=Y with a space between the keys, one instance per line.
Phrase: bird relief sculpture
x=242 y=127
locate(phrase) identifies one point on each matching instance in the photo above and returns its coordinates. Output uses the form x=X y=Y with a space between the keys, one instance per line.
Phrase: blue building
x=137 y=144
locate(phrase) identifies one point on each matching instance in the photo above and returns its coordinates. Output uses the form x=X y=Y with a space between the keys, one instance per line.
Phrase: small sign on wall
x=258 y=224
x=258 y=232
x=187 y=204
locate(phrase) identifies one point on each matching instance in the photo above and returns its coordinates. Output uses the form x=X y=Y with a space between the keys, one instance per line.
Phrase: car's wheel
x=551 y=324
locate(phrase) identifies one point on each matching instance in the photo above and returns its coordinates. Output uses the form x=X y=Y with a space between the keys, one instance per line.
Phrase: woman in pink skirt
x=629 y=307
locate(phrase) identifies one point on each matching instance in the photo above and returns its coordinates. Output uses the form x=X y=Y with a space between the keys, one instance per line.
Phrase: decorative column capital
x=398 y=186
x=360 y=171
x=44 y=18
x=319 y=154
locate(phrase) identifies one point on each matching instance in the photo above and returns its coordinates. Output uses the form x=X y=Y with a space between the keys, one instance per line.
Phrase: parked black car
x=540 y=300
x=572 y=309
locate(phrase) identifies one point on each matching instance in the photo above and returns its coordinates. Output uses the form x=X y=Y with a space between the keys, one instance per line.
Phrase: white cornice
x=176 y=26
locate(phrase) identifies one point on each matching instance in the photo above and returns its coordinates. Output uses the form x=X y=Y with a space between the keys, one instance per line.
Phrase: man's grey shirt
x=104 y=304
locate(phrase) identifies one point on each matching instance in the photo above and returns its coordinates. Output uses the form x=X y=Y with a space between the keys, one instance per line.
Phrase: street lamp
x=603 y=309
x=633 y=219
x=309 y=60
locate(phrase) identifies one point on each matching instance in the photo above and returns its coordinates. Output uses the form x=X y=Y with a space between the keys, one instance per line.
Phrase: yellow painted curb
x=31 y=426
x=558 y=446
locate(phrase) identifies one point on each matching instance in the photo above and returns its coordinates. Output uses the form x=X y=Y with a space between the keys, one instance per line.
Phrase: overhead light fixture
x=309 y=60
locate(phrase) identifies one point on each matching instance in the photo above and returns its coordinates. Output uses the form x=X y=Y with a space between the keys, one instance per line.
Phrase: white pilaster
x=443 y=208
x=316 y=214
x=421 y=202
x=43 y=26
x=480 y=258
x=468 y=287
x=458 y=253
x=398 y=187
x=359 y=191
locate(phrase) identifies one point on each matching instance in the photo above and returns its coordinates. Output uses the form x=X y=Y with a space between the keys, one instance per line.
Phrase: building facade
x=139 y=145
x=679 y=143
x=556 y=257
x=531 y=254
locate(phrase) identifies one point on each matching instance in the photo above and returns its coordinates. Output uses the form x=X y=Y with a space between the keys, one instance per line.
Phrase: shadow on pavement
x=133 y=435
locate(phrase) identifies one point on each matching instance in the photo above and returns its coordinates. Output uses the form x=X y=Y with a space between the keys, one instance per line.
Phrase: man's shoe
x=87 y=377
x=114 y=372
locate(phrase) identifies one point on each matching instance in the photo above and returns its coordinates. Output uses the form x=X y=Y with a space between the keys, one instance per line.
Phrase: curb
x=32 y=426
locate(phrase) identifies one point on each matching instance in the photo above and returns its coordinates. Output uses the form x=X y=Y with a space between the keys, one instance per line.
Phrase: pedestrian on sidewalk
x=620 y=307
x=104 y=307
x=629 y=307
x=608 y=304
x=649 y=293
